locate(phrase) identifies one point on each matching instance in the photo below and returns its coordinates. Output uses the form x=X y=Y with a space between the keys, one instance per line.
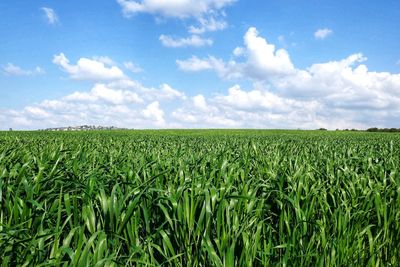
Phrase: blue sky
x=200 y=64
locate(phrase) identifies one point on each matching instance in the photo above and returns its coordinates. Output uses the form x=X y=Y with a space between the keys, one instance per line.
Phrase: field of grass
x=199 y=198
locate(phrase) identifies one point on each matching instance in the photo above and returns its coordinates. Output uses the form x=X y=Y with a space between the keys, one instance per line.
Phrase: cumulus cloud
x=340 y=89
x=175 y=9
x=341 y=93
x=199 y=102
x=129 y=104
x=256 y=108
x=321 y=34
x=163 y=93
x=345 y=84
x=88 y=69
x=259 y=108
x=50 y=15
x=114 y=99
x=101 y=92
x=123 y=103
x=198 y=113
x=263 y=60
x=169 y=93
x=194 y=41
x=153 y=112
x=257 y=99
x=204 y=15
x=14 y=70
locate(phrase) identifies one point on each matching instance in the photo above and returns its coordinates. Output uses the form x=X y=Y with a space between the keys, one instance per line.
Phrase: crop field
x=199 y=198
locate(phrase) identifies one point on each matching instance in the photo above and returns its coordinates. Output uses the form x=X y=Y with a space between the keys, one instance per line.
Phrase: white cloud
x=50 y=15
x=204 y=15
x=101 y=92
x=37 y=112
x=133 y=106
x=194 y=64
x=154 y=112
x=226 y=70
x=105 y=60
x=263 y=61
x=337 y=94
x=122 y=104
x=256 y=100
x=240 y=108
x=174 y=8
x=164 y=93
x=199 y=102
x=321 y=34
x=167 y=92
x=208 y=25
x=88 y=69
x=259 y=108
x=198 y=113
x=13 y=70
x=132 y=67
x=345 y=89
x=346 y=85
x=194 y=41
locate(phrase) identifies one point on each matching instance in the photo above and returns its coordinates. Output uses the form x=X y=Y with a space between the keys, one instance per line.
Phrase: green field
x=200 y=198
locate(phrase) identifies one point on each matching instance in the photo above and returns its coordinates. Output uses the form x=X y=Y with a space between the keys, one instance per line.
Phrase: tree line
x=374 y=129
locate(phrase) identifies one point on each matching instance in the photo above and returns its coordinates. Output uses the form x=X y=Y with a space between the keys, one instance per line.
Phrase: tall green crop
x=199 y=198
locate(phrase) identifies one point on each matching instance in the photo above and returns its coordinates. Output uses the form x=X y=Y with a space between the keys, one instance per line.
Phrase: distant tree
x=372 y=129
x=322 y=129
x=384 y=130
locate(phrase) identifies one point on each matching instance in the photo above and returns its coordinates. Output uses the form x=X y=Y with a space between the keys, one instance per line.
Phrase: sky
x=144 y=64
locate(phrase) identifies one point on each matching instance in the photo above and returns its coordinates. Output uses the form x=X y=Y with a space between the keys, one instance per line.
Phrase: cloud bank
x=175 y=9
x=342 y=93
x=206 y=16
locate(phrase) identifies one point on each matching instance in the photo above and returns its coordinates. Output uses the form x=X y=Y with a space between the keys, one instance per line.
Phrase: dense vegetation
x=200 y=198
x=387 y=130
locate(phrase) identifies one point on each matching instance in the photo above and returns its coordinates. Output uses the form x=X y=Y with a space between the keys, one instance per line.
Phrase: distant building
x=84 y=128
